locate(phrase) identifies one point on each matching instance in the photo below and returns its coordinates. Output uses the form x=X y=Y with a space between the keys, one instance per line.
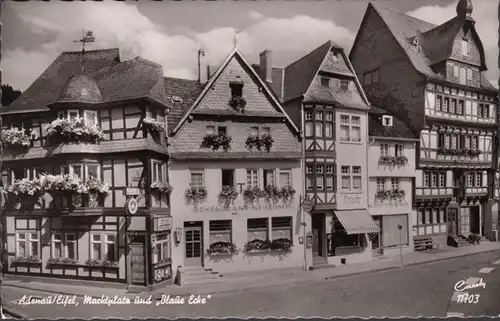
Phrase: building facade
x=323 y=96
x=80 y=203
x=236 y=162
x=432 y=78
x=391 y=180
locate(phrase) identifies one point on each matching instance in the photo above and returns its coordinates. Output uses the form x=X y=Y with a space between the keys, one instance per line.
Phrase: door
x=452 y=221
x=474 y=220
x=137 y=261
x=317 y=231
x=465 y=220
x=194 y=246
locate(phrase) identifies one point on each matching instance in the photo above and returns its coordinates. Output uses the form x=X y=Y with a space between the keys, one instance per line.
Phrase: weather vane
x=87 y=36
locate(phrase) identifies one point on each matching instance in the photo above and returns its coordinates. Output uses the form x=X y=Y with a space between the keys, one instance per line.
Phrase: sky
x=170 y=33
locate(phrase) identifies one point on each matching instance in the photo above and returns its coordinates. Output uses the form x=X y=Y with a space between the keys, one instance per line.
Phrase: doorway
x=452 y=221
x=137 y=260
x=465 y=220
x=193 y=243
x=318 y=229
x=474 y=220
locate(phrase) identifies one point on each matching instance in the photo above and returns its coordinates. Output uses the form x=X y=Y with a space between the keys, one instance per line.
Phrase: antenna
x=87 y=36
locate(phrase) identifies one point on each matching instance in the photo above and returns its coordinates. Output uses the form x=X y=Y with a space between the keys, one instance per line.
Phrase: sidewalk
x=260 y=279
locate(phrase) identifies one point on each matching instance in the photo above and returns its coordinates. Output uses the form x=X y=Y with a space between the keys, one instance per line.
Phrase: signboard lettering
x=164 y=223
x=200 y=209
x=349 y=199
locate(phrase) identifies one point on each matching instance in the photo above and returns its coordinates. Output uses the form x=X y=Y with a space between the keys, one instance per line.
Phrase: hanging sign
x=164 y=223
x=131 y=206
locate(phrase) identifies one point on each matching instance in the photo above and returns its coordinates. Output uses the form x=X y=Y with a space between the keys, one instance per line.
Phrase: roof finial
x=235 y=39
x=464 y=9
x=87 y=36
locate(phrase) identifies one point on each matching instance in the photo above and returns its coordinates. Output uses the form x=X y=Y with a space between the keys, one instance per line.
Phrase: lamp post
x=400 y=228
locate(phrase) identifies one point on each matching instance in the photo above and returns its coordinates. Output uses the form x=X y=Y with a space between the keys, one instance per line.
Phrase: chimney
x=266 y=66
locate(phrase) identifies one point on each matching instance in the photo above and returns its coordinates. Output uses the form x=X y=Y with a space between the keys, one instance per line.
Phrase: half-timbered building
x=236 y=167
x=85 y=172
x=432 y=77
x=323 y=96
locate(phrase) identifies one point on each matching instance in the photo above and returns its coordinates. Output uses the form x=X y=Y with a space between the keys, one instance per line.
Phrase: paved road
x=484 y=300
x=422 y=290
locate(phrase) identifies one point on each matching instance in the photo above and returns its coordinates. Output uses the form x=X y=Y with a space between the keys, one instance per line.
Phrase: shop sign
x=266 y=207
x=132 y=191
x=348 y=199
x=164 y=223
x=132 y=206
x=162 y=274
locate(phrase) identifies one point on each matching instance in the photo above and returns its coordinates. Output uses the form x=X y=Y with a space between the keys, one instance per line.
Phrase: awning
x=357 y=221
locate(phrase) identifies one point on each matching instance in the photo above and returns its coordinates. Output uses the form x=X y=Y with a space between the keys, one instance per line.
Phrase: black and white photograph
x=197 y=159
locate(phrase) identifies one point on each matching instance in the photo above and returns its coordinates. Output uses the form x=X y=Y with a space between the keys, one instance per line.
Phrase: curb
x=14 y=312
x=310 y=280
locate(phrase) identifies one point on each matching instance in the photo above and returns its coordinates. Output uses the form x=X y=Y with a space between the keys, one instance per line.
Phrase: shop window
x=197 y=178
x=257 y=229
x=220 y=231
x=391 y=232
x=281 y=228
x=27 y=244
x=341 y=238
x=162 y=247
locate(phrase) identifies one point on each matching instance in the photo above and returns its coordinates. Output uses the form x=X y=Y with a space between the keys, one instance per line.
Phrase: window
x=442 y=179
x=434 y=179
x=442 y=212
x=456 y=71
x=474 y=142
x=344 y=128
x=399 y=150
x=27 y=244
x=483 y=110
x=479 y=179
x=236 y=89
x=460 y=110
x=309 y=182
x=376 y=76
x=103 y=247
x=220 y=231
x=70 y=245
x=344 y=85
x=435 y=215
x=285 y=177
x=210 y=130
x=453 y=107
x=395 y=183
x=346 y=177
x=222 y=130
x=319 y=176
x=341 y=238
x=328 y=124
x=158 y=173
x=64 y=247
x=416 y=45
x=470 y=179
x=57 y=245
x=463 y=76
x=281 y=228
x=75 y=170
x=92 y=171
x=384 y=149
x=90 y=117
x=428 y=217
x=162 y=247
x=421 y=216
x=380 y=184
x=319 y=124
x=427 y=179
x=197 y=178
x=350 y=128
x=356 y=178
x=469 y=74
x=390 y=231
x=465 y=47
x=368 y=78
x=269 y=177
x=439 y=100
x=309 y=169
x=325 y=81
x=73 y=114
x=257 y=229
x=446 y=104
x=309 y=123
x=387 y=120
x=252 y=178
x=60 y=114
x=227 y=176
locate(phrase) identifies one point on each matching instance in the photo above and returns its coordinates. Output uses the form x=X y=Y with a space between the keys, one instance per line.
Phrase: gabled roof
x=397 y=130
x=437 y=41
x=277 y=75
x=213 y=79
x=134 y=78
x=187 y=90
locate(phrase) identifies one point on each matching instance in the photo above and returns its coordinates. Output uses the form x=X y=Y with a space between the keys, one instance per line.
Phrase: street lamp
x=400 y=228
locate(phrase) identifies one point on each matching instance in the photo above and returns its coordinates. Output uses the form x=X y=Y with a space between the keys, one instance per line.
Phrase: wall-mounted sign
x=330 y=246
x=163 y=273
x=132 y=191
x=132 y=206
x=164 y=223
x=352 y=199
x=307 y=205
x=268 y=207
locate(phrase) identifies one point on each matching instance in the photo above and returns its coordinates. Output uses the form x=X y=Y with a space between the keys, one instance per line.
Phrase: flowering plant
x=252 y=194
x=195 y=194
x=25 y=187
x=94 y=184
x=165 y=188
x=382 y=195
x=397 y=193
x=60 y=260
x=216 y=141
x=153 y=125
x=105 y=263
x=17 y=138
x=273 y=193
x=257 y=246
x=29 y=259
x=73 y=130
x=59 y=183
x=281 y=245
x=287 y=192
x=385 y=160
x=227 y=195
x=238 y=103
x=267 y=141
x=401 y=160
x=222 y=248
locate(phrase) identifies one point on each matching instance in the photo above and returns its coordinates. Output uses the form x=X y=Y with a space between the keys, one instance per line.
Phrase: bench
x=423 y=244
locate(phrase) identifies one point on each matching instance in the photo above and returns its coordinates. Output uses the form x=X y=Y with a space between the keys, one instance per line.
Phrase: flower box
x=397 y=194
x=238 y=103
x=382 y=195
x=281 y=245
x=257 y=246
x=272 y=193
x=27 y=260
x=227 y=196
x=253 y=194
x=62 y=261
x=23 y=194
x=401 y=160
x=265 y=141
x=193 y=195
x=17 y=139
x=101 y=263
x=73 y=130
x=386 y=160
x=152 y=125
x=287 y=193
x=216 y=141
x=222 y=248
x=164 y=188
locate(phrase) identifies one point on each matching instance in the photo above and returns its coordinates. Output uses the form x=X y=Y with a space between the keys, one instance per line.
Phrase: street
x=422 y=290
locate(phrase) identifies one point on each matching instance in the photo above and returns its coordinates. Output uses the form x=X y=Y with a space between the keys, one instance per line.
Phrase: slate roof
x=436 y=41
x=277 y=80
x=116 y=80
x=81 y=88
x=398 y=129
x=187 y=90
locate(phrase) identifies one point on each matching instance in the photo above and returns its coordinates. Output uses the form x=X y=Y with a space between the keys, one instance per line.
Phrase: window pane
x=110 y=238
x=165 y=252
x=356 y=182
x=77 y=171
x=284 y=178
x=309 y=129
x=90 y=118
x=346 y=182
x=110 y=252
x=319 y=129
x=92 y=171
x=71 y=250
x=57 y=249
x=328 y=130
x=22 y=249
x=96 y=237
x=210 y=130
x=356 y=134
x=34 y=236
x=344 y=132
x=96 y=248
x=34 y=248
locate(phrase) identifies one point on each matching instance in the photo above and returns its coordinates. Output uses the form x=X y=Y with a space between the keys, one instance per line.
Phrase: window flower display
x=153 y=125
x=16 y=138
x=73 y=130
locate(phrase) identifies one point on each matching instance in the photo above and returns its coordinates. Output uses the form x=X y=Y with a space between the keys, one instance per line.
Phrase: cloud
x=136 y=34
x=485 y=15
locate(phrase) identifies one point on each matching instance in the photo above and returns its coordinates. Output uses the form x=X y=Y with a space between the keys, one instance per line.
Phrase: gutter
x=395 y=138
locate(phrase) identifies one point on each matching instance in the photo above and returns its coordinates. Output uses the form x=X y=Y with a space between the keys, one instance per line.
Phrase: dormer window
x=387 y=121
x=465 y=47
x=324 y=81
x=344 y=85
x=416 y=45
x=236 y=87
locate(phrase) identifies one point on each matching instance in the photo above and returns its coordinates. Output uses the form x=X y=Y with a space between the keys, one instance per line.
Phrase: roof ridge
x=87 y=51
x=377 y=5
x=177 y=78
x=308 y=54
